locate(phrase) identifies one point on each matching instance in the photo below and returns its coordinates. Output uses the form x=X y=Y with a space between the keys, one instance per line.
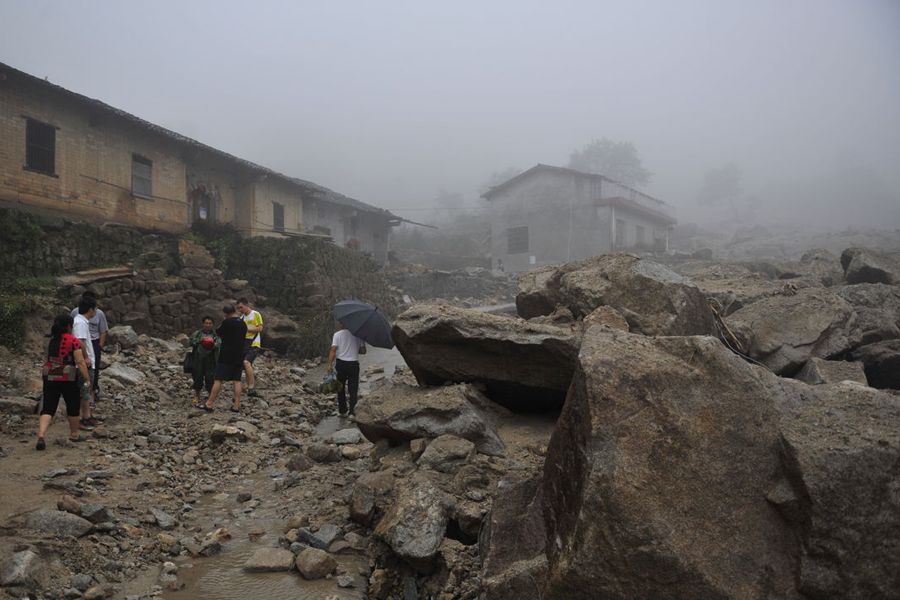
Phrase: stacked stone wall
x=165 y=283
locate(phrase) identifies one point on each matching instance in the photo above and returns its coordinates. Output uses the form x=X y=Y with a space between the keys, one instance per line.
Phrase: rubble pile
x=472 y=286
x=628 y=435
x=677 y=468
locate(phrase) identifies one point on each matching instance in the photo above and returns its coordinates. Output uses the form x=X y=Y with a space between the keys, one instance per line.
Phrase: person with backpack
x=64 y=361
x=205 y=344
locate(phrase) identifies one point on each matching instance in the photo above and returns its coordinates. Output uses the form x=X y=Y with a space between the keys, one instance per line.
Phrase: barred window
x=141 y=176
x=517 y=240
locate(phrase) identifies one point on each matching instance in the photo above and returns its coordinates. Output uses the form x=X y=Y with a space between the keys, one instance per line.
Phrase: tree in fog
x=721 y=187
x=616 y=160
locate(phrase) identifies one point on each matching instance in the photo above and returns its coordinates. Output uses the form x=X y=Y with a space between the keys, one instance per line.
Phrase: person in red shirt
x=64 y=360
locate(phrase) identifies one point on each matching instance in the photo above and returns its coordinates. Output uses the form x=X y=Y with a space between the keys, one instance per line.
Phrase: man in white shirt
x=99 y=329
x=81 y=329
x=344 y=356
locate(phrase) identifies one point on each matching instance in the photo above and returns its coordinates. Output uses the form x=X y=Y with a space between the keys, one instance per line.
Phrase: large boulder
x=415 y=524
x=512 y=542
x=877 y=307
x=522 y=365
x=840 y=448
x=862 y=265
x=654 y=299
x=404 y=412
x=656 y=475
x=783 y=332
x=881 y=362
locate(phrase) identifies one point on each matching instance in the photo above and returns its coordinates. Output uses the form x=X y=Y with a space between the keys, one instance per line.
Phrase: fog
x=391 y=102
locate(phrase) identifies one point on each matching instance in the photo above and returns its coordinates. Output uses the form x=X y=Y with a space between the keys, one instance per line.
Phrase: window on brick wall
x=40 y=147
x=141 y=176
x=516 y=240
x=277 y=216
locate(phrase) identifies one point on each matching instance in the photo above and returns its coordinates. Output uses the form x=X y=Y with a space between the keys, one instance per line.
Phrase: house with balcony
x=69 y=155
x=550 y=215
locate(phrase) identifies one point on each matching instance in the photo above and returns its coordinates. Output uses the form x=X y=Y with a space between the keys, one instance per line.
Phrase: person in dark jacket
x=205 y=344
x=230 y=364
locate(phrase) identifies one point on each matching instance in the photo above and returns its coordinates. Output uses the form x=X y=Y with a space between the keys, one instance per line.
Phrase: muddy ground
x=227 y=496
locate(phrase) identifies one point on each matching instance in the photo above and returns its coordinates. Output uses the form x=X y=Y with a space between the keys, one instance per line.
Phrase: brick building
x=64 y=153
x=549 y=215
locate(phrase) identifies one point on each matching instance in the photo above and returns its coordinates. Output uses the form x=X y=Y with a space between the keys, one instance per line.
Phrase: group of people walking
x=218 y=355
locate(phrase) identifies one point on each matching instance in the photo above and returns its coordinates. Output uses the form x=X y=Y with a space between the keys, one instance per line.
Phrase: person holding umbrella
x=344 y=358
x=361 y=323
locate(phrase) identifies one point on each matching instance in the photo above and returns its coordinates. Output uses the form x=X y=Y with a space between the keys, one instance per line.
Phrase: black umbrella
x=365 y=321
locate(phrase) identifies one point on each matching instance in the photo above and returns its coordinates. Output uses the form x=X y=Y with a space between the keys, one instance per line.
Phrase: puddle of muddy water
x=221 y=577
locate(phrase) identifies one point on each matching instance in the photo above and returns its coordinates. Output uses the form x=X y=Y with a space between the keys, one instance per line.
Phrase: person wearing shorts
x=64 y=361
x=230 y=364
x=252 y=341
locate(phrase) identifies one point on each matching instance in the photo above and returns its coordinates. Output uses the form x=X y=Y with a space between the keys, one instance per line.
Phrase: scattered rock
x=122 y=335
x=817 y=371
x=881 y=362
x=164 y=520
x=244 y=497
x=58 y=523
x=124 y=374
x=783 y=332
x=446 y=453
x=417 y=447
x=299 y=462
x=315 y=564
x=266 y=560
x=346 y=436
x=414 y=525
x=403 y=412
x=345 y=581
x=606 y=315
x=321 y=538
x=862 y=265
x=369 y=495
x=654 y=299
x=23 y=569
x=69 y=505
x=323 y=453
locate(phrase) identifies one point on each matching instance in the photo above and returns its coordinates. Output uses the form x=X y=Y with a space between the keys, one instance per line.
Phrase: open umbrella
x=365 y=321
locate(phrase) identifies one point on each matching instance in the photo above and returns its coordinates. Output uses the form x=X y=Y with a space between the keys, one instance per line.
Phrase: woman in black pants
x=65 y=358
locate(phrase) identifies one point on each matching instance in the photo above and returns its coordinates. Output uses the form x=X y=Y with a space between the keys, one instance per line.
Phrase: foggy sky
x=391 y=101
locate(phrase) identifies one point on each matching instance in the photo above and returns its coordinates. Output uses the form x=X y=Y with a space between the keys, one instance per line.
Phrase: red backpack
x=61 y=368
